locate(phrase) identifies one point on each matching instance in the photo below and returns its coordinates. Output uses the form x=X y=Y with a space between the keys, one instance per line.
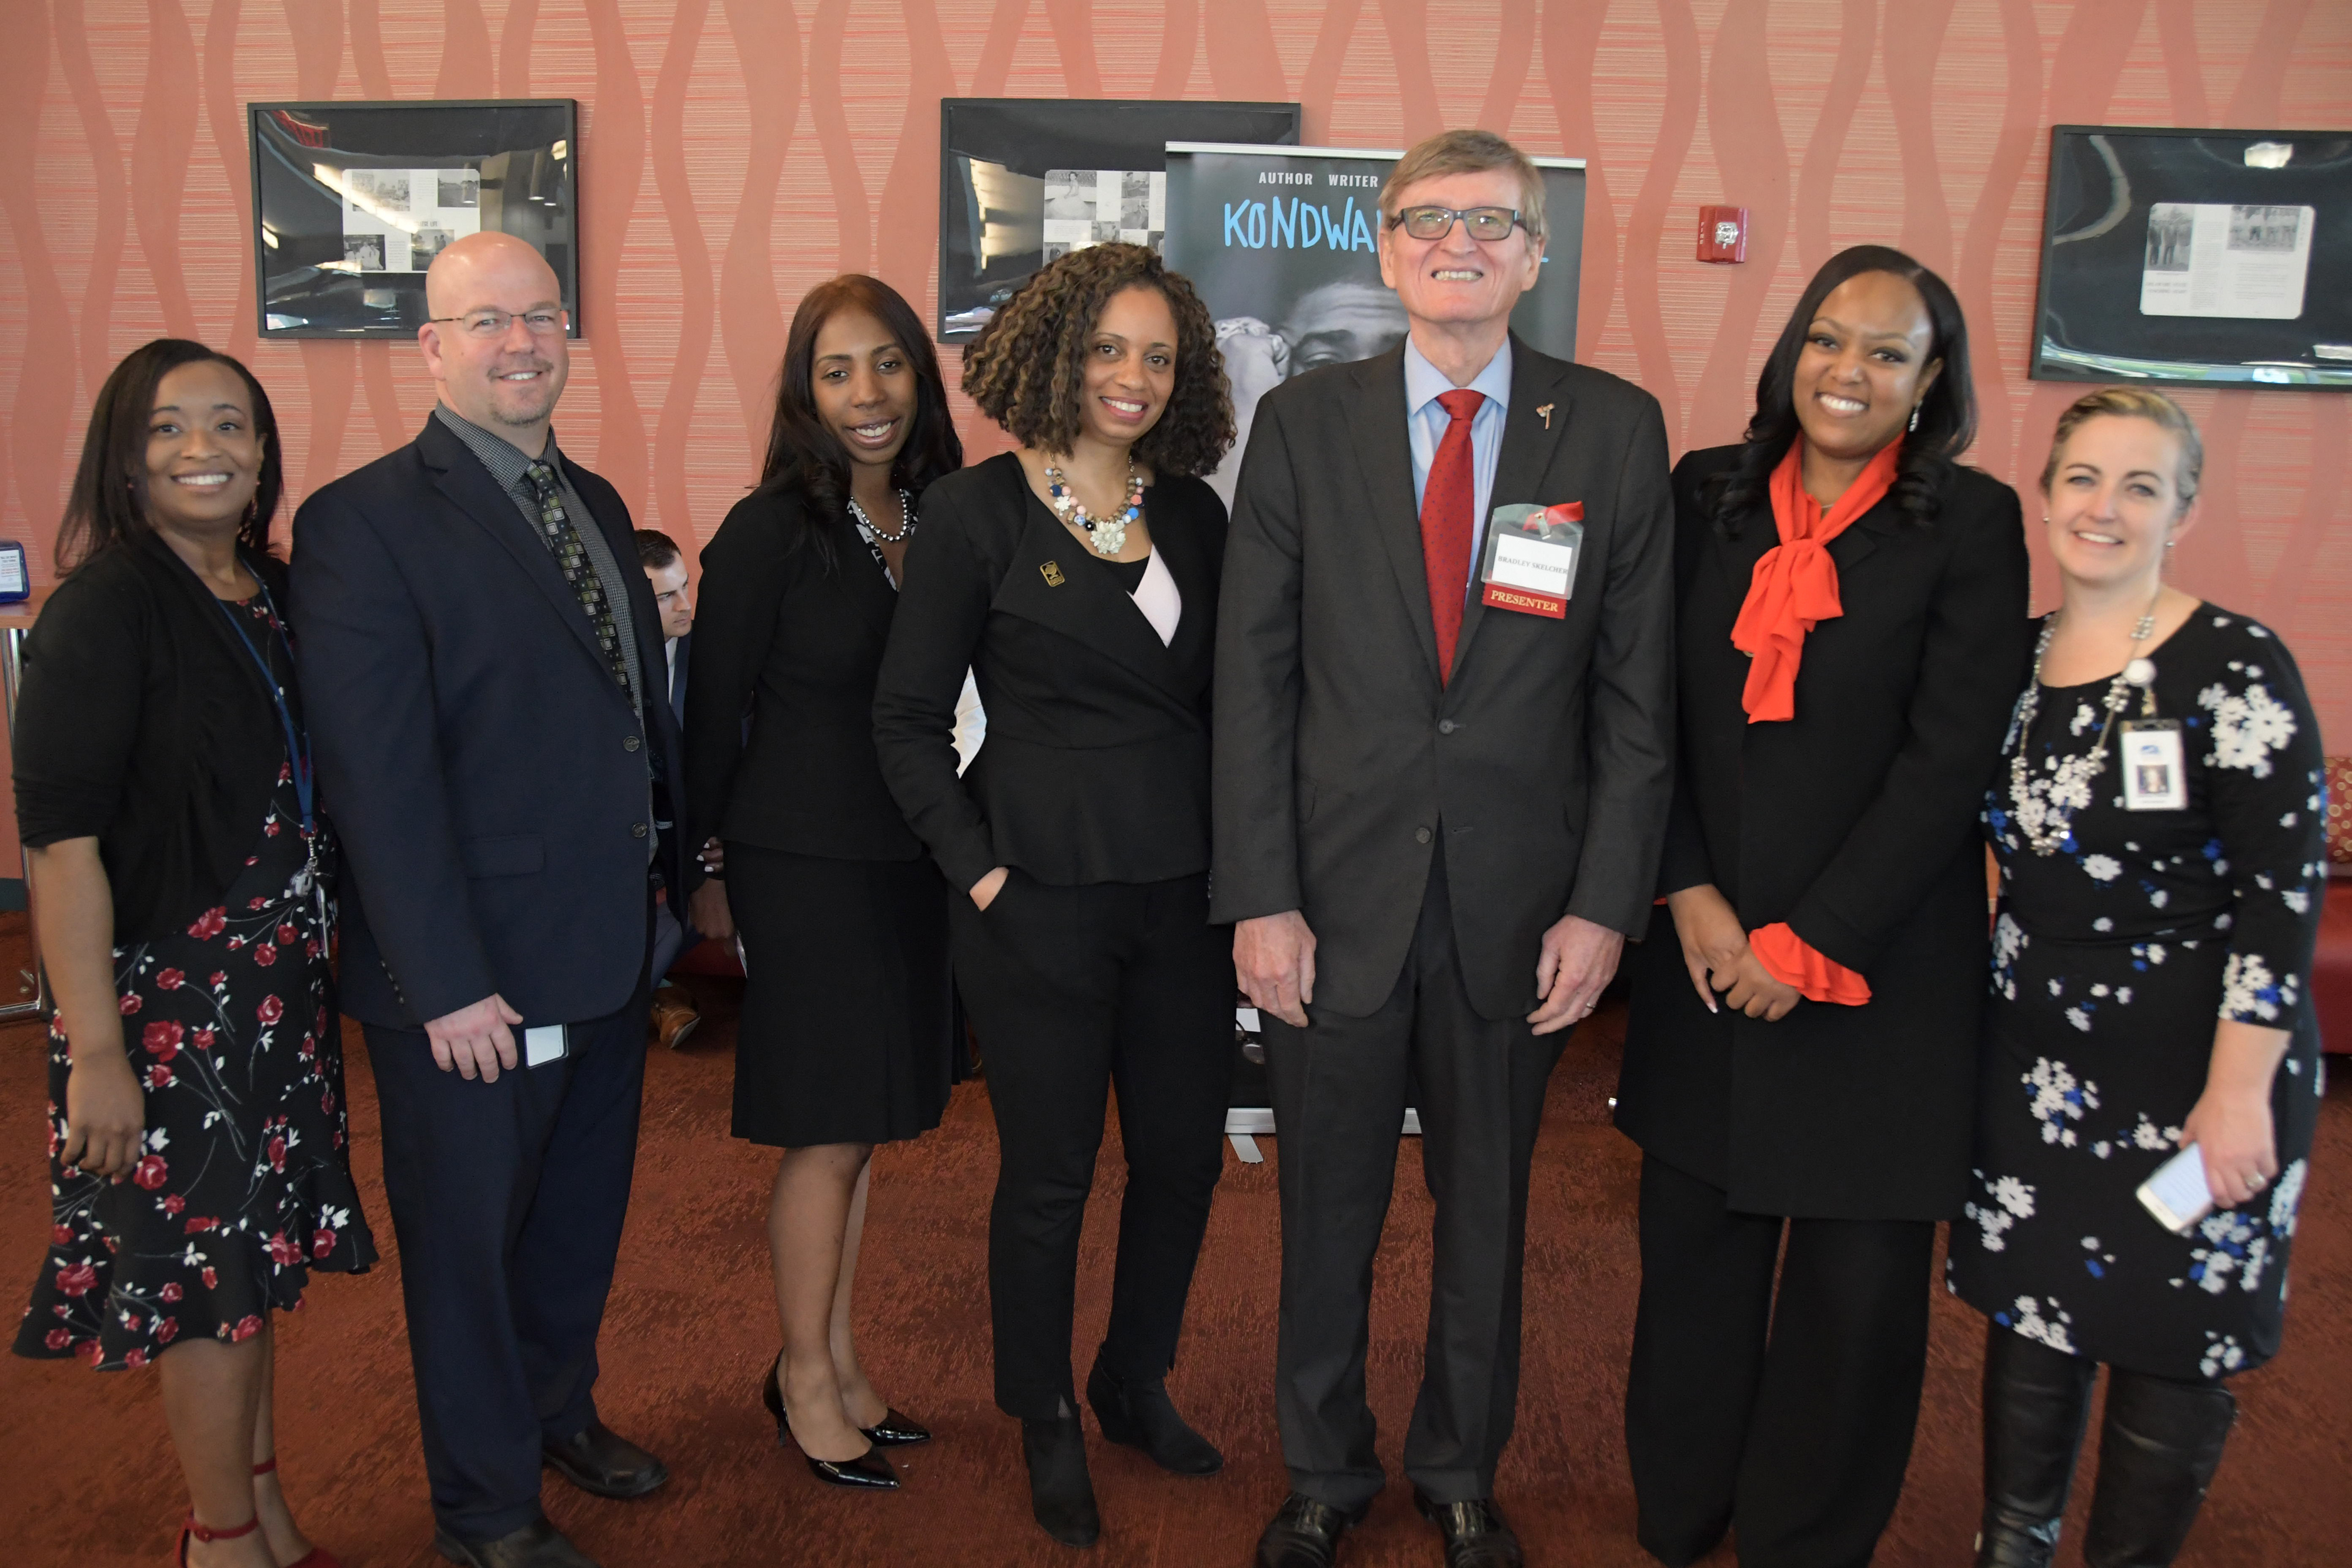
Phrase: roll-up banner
x=1282 y=245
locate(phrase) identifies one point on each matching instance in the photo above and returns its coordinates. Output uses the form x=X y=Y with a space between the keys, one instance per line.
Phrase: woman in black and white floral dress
x=2151 y=953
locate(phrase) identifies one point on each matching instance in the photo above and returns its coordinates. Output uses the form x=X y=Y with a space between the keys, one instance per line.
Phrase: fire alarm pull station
x=1723 y=233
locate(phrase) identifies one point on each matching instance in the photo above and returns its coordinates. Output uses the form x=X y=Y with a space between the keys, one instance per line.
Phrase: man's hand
x=706 y=911
x=106 y=1113
x=477 y=1040
x=1711 y=935
x=1575 y=965
x=1274 y=959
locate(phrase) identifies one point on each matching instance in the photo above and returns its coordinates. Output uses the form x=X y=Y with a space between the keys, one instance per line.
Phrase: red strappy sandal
x=317 y=1556
x=192 y=1530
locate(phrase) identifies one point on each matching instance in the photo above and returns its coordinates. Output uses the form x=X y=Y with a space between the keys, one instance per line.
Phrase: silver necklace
x=2044 y=808
x=876 y=536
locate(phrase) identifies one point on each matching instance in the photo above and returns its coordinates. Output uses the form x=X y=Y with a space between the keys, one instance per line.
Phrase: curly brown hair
x=1027 y=367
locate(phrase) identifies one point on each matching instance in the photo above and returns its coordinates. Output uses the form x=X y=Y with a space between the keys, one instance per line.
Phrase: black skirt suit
x=847 y=1028
x=1855 y=822
x=1096 y=963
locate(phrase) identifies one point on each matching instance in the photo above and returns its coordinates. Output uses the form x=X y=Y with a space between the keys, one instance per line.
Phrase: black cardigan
x=143 y=723
x=793 y=646
x=1855 y=822
x=1096 y=768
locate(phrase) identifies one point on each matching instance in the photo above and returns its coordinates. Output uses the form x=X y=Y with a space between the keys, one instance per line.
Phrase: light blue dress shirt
x=1425 y=421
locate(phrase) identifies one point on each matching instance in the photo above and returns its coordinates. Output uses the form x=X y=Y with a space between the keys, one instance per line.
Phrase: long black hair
x=804 y=454
x=1948 y=414
x=108 y=505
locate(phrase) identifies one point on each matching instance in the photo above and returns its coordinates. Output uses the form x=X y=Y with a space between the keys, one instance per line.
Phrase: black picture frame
x=338 y=185
x=994 y=156
x=2136 y=216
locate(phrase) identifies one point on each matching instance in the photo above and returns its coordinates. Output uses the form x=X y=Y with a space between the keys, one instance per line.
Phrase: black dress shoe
x=895 y=1431
x=869 y=1469
x=601 y=1461
x=1140 y=1415
x=1476 y=1535
x=1061 y=1492
x=538 y=1544
x=1303 y=1533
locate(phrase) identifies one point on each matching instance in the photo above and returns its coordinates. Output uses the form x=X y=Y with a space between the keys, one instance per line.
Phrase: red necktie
x=1447 y=499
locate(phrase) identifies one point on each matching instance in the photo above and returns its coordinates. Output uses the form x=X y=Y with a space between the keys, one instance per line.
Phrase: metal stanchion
x=16 y=621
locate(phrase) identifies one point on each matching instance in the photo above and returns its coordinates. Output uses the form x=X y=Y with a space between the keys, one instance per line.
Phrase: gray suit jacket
x=1546 y=759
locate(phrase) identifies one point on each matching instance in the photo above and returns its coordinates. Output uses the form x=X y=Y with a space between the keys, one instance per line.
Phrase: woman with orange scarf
x=1800 y=1066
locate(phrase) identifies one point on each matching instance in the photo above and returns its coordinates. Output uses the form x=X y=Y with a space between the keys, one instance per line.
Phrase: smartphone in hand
x=2177 y=1194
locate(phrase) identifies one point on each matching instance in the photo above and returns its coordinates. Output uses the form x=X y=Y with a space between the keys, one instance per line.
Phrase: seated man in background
x=675 y=1015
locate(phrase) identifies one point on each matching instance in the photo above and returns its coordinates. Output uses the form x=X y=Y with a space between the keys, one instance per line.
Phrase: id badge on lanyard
x=2156 y=777
x=1531 y=558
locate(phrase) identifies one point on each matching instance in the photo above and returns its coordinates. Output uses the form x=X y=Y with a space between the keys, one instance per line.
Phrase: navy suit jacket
x=485 y=771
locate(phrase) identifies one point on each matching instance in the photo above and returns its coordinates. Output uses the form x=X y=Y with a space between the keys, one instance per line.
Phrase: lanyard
x=298 y=745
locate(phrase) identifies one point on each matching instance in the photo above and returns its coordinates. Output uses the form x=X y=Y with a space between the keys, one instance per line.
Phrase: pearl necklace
x=1105 y=536
x=876 y=536
x=2043 y=809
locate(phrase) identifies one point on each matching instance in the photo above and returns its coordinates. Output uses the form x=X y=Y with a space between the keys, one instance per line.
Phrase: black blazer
x=490 y=779
x=1546 y=755
x=1855 y=822
x=144 y=724
x=1096 y=768
x=793 y=647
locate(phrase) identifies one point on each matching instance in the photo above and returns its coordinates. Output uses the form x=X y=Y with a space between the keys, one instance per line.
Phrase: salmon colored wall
x=735 y=153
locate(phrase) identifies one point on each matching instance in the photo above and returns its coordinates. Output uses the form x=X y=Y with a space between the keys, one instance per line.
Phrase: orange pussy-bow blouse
x=1794 y=588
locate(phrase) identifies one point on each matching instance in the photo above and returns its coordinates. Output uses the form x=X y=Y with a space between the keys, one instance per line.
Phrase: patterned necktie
x=1448 y=498
x=571 y=556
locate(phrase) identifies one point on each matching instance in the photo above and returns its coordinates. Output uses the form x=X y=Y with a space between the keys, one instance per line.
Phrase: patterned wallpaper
x=736 y=152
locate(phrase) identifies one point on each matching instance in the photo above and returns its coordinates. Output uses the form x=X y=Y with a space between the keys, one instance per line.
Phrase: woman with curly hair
x=183 y=895
x=1078 y=578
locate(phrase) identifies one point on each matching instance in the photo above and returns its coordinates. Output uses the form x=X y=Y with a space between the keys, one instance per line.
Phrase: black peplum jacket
x=1855 y=822
x=1096 y=766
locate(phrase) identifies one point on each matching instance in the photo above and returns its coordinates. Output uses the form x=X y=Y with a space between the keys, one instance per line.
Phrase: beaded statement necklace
x=1105 y=536
x=2044 y=808
x=876 y=539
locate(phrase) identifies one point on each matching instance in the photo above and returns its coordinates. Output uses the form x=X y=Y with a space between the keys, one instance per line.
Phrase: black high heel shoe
x=895 y=1431
x=868 y=1470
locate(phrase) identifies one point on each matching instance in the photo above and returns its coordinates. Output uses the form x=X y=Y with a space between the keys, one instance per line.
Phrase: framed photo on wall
x=2214 y=257
x=1025 y=179
x=353 y=201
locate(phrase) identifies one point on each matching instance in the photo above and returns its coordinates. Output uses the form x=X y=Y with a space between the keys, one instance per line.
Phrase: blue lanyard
x=297 y=745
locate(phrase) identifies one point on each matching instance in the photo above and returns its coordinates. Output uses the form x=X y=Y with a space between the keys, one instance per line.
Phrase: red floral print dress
x=244 y=1183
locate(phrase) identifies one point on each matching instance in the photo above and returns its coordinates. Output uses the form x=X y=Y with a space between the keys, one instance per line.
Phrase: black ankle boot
x=2035 y=1402
x=2157 y=1450
x=1141 y=1416
x=1061 y=1493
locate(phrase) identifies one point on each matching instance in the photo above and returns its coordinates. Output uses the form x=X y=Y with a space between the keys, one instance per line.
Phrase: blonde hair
x=2134 y=403
x=1469 y=153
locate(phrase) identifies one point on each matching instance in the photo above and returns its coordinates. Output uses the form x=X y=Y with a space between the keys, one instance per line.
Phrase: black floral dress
x=2113 y=958
x=244 y=1183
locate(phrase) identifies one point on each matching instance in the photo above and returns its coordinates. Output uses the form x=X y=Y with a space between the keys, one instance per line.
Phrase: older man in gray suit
x=1442 y=777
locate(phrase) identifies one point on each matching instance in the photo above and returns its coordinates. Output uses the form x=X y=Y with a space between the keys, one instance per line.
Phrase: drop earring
x=1914 y=416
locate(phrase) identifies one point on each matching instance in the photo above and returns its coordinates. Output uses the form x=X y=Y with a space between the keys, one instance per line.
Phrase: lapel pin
x=1052 y=572
x=1545 y=411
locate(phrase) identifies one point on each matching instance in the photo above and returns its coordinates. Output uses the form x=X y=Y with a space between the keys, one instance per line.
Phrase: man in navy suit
x=484 y=682
x=675 y=1013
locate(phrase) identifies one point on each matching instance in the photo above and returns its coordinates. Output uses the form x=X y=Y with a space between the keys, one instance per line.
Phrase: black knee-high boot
x=2157 y=1450
x=2036 y=1400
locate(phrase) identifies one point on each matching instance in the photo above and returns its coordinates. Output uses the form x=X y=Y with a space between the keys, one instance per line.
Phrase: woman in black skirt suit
x=1078 y=578
x=844 y=1037
x=1800 y=1058
x=184 y=895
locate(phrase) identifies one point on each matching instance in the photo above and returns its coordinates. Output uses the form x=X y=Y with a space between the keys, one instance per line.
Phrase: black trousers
x=1073 y=990
x=1339 y=1095
x=1791 y=1418
x=507 y=1199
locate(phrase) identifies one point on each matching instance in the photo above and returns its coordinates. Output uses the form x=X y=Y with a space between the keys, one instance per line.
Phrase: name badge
x=547 y=1042
x=2154 y=776
x=1531 y=558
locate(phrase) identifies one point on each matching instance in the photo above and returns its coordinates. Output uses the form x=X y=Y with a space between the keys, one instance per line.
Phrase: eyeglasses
x=491 y=325
x=1436 y=223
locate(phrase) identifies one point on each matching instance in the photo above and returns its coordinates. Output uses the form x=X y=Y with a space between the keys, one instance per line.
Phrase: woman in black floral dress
x=2159 y=825
x=183 y=884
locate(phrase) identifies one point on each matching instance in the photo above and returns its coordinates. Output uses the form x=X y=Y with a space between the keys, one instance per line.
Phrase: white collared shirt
x=1425 y=421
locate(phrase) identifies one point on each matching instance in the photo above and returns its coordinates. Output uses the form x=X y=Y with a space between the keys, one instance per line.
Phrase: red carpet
x=692 y=1328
